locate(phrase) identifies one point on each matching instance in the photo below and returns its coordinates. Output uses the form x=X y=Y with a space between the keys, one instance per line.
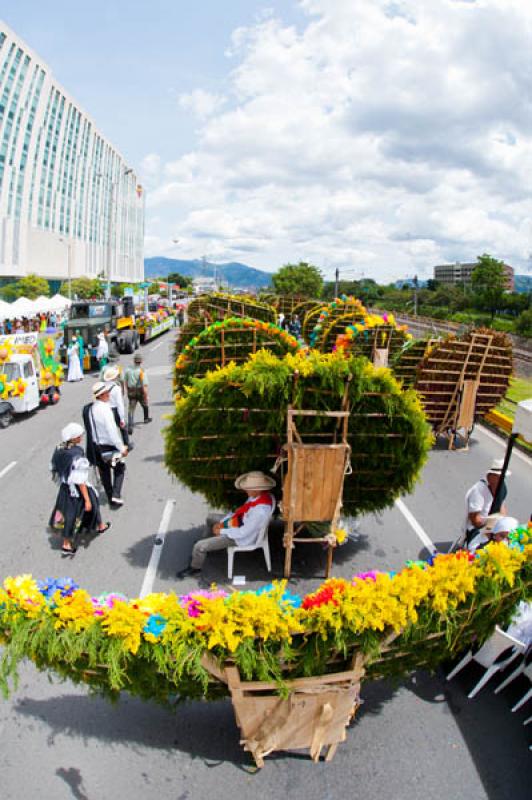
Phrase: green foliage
x=181 y=280
x=302 y=279
x=31 y=286
x=489 y=282
x=523 y=325
x=234 y=420
x=83 y=288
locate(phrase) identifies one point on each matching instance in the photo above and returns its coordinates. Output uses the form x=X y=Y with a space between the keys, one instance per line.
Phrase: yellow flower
x=125 y=621
x=74 y=611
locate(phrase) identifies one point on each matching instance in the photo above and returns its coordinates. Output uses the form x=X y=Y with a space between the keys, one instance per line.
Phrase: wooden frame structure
x=314 y=483
x=314 y=715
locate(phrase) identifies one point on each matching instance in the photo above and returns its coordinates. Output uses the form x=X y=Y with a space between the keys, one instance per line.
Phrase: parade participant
x=137 y=391
x=242 y=527
x=105 y=447
x=112 y=376
x=102 y=351
x=499 y=533
x=479 y=498
x=74 y=367
x=81 y=346
x=76 y=500
x=295 y=326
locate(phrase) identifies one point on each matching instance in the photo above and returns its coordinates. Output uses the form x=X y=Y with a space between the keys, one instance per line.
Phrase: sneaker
x=148 y=419
x=130 y=431
x=117 y=501
x=188 y=572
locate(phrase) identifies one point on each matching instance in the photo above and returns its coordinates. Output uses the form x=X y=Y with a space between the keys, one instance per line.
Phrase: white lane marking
x=503 y=444
x=151 y=570
x=414 y=524
x=153 y=349
x=7 y=469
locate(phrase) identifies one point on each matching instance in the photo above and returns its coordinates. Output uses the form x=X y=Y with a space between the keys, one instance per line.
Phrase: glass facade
x=69 y=204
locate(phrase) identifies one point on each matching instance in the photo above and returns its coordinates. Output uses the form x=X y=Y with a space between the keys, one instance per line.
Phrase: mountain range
x=233 y=273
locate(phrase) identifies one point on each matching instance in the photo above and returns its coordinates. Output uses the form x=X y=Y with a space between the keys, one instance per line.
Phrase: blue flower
x=155 y=625
x=50 y=586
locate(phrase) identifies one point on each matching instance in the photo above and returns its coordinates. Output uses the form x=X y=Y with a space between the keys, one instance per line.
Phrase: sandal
x=105 y=528
x=68 y=551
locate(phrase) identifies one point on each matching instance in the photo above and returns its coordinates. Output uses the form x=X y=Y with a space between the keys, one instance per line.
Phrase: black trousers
x=112 y=477
x=123 y=431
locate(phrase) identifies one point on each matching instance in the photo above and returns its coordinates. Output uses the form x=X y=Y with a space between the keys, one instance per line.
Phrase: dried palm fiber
x=481 y=354
x=232 y=339
x=234 y=420
x=304 y=307
x=406 y=361
x=218 y=305
x=363 y=337
x=316 y=322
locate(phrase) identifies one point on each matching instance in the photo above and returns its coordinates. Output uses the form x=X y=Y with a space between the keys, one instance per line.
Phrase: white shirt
x=477 y=541
x=103 y=347
x=253 y=523
x=116 y=400
x=104 y=428
x=478 y=498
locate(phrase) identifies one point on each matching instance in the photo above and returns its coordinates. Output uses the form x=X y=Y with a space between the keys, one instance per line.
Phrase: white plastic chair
x=488 y=653
x=528 y=672
x=515 y=674
x=261 y=543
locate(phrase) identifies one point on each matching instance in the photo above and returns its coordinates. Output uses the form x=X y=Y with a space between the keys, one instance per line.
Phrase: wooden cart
x=314 y=483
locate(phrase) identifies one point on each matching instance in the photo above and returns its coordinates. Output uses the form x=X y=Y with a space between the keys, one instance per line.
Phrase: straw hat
x=504 y=525
x=137 y=358
x=496 y=467
x=72 y=431
x=111 y=373
x=254 y=481
x=100 y=388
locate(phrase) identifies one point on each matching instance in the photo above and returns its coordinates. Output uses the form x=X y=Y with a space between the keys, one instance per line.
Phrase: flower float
x=219 y=305
x=6 y=352
x=5 y=386
x=18 y=387
x=230 y=340
x=153 y=646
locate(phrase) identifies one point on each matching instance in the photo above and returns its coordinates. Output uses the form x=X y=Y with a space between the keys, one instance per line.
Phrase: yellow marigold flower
x=125 y=621
x=74 y=611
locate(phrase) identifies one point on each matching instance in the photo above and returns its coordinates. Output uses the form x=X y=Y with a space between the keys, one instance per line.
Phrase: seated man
x=499 y=533
x=479 y=498
x=241 y=528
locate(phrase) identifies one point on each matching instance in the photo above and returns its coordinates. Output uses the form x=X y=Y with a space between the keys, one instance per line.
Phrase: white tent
x=58 y=303
x=5 y=310
x=22 y=307
x=42 y=304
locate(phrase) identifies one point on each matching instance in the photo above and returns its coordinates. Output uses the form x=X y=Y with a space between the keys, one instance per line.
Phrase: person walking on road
x=77 y=505
x=137 y=391
x=74 y=366
x=81 y=346
x=112 y=376
x=102 y=351
x=105 y=447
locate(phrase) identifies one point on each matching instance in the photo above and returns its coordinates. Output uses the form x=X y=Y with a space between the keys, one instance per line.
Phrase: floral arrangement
x=219 y=305
x=338 y=307
x=52 y=373
x=232 y=339
x=233 y=420
x=153 y=646
x=374 y=327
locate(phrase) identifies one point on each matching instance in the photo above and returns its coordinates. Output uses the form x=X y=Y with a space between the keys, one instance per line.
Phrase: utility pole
x=336 y=281
x=416 y=284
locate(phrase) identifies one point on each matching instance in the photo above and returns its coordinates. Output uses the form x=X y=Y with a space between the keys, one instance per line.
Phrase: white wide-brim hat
x=496 y=467
x=505 y=525
x=100 y=388
x=72 y=431
x=111 y=373
x=254 y=481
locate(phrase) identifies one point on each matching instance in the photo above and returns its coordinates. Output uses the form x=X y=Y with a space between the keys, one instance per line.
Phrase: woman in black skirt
x=77 y=505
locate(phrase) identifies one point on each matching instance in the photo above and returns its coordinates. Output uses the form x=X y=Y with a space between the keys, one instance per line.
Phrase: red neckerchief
x=237 y=519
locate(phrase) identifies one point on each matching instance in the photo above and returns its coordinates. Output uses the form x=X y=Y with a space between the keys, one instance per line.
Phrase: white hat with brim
x=100 y=388
x=504 y=525
x=72 y=431
x=111 y=373
x=254 y=481
x=496 y=467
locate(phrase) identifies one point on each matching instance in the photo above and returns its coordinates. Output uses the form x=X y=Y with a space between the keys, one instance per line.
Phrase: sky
x=381 y=137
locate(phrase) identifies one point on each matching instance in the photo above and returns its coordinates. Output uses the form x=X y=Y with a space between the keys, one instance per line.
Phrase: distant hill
x=523 y=283
x=238 y=275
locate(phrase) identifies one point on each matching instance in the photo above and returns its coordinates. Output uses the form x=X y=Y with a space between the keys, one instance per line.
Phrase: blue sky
x=379 y=136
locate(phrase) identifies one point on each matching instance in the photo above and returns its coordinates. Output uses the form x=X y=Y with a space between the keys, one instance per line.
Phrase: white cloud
x=201 y=103
x=390 y=135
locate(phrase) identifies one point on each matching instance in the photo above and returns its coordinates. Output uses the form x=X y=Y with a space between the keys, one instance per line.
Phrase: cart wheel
x=6 y=417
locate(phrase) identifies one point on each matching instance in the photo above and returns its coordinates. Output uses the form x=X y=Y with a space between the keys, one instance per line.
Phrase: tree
x=83 y=288
x=31 y=286
x=302 y=279
x=523 y=323
x=489 y=283
x=180 y=280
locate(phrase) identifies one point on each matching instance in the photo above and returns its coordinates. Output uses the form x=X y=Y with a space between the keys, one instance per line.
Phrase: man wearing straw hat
x=107 y=447
x=242 y=527
x=112 y=376
x=479 y=499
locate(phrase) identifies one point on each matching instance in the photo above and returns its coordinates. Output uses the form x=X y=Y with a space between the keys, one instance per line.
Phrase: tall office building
x=69 y=204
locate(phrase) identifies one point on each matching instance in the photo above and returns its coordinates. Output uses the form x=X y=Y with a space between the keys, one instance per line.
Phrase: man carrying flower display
x=479 y=499
x=241 y=528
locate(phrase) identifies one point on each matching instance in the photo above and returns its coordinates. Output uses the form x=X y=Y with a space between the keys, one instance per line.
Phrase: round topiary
x=234 y=420
x=231 y=340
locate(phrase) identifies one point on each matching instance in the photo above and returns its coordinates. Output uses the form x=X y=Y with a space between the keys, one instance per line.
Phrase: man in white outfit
x=242 y=527
x=108 y=444
x=479 y=498
x=112 y=376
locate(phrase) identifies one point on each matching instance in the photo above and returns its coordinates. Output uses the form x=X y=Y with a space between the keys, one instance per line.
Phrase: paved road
x=416 y=740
